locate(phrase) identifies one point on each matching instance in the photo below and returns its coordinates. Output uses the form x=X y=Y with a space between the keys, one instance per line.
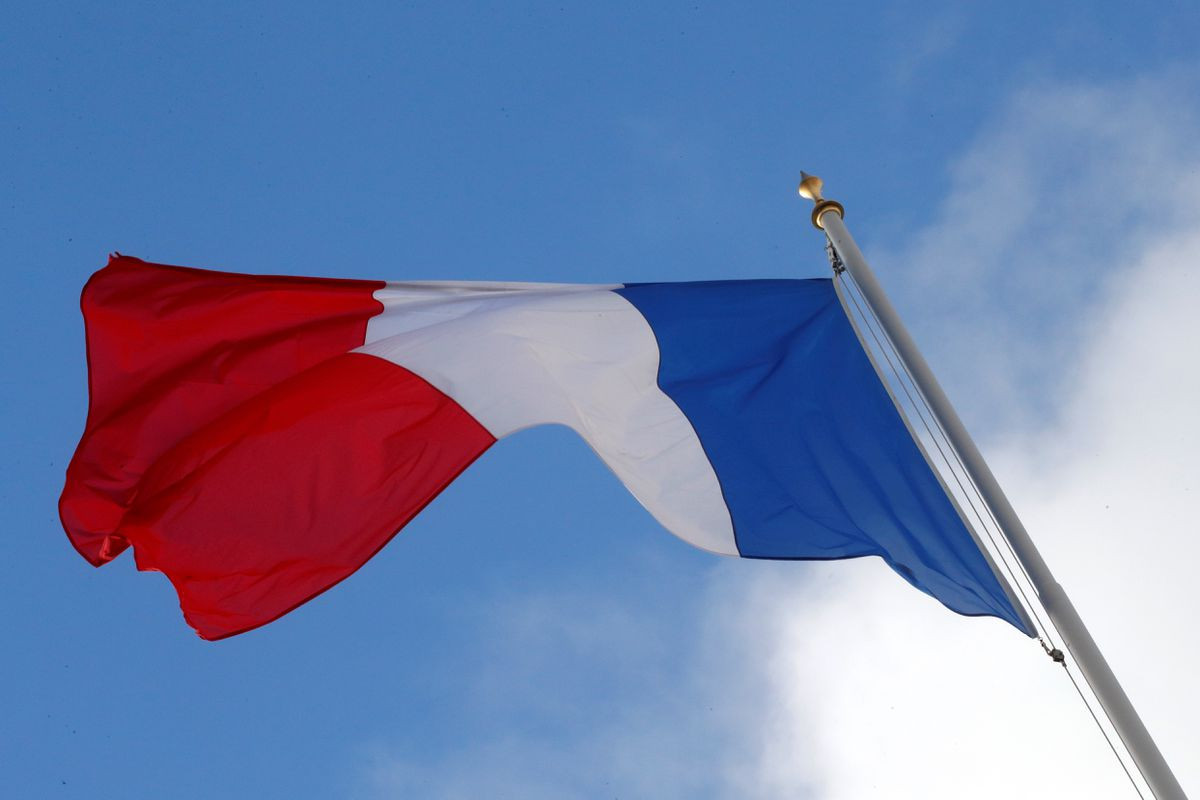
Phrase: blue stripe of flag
x=811 y=454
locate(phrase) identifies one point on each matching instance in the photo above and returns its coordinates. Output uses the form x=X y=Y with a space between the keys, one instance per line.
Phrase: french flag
x=258 y=438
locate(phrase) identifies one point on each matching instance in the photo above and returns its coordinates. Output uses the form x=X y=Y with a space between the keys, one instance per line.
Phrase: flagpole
x=827 y=216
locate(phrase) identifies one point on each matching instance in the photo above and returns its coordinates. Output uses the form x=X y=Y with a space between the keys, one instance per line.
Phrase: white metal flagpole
x=827 y=216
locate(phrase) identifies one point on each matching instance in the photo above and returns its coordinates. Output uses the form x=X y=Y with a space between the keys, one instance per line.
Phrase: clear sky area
x=1025 y=179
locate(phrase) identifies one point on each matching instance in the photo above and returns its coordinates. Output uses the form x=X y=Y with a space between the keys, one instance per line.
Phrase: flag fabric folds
x=258 y=438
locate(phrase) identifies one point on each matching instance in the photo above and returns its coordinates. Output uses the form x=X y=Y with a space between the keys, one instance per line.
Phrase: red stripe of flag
x=238 y=447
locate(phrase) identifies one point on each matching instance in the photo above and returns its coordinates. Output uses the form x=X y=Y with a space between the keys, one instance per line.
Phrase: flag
x=258 y=438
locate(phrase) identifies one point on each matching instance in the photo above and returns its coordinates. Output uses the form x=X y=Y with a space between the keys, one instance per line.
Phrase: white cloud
x=1069 y=244
x=1063 y=186
x=655 y=713
x=923 y=44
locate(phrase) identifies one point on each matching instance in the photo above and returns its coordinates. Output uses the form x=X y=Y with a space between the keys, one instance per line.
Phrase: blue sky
x=1026 y=180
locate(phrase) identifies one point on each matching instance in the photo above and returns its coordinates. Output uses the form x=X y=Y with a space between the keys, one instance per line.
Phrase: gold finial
x=810 y=187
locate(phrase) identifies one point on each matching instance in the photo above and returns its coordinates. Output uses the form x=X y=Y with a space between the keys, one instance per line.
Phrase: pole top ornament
x=810 y=187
